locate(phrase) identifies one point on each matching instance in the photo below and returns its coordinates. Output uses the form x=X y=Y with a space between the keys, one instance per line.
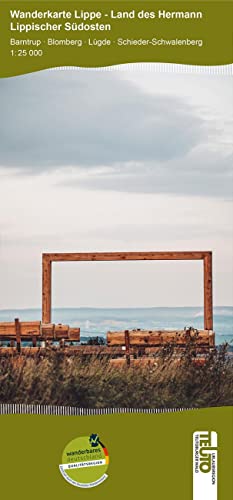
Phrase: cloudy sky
x=121 y=160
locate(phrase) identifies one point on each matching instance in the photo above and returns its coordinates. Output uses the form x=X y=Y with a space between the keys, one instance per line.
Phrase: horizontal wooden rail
x=98 y=351
x=154 y=338
x=114 y=256
x=35 y=330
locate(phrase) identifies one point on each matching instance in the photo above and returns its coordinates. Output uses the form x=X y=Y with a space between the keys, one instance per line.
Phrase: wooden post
x=208 y=292
x=46 y=288
x=127 y=347
x=34 y=341
x=18 y=334
x=62 y=343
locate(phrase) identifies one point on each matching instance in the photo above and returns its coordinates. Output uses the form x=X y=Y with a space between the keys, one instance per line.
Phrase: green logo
x=85 y=462
x=94 y=440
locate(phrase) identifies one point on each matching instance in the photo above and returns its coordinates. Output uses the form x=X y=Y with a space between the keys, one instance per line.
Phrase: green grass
x=56 y=379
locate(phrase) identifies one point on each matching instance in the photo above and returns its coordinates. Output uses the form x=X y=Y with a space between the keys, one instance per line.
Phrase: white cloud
x=174 y=198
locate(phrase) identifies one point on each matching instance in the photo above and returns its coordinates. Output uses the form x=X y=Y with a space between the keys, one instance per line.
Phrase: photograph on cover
x=116 y=239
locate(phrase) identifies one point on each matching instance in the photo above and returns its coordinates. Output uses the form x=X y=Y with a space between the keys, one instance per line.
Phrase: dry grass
x=166 y=382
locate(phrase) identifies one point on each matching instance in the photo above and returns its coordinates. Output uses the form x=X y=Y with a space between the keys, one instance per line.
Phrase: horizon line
x=109 y=307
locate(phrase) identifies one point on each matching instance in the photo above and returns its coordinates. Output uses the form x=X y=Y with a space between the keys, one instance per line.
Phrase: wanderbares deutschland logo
x=85 y=462
x=205 y=455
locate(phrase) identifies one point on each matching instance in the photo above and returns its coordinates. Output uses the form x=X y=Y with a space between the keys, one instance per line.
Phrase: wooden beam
x=46 y=288
x=34 y=329
x=27 y=329
x=152 y=338
x=208 y=292
x=114 y=256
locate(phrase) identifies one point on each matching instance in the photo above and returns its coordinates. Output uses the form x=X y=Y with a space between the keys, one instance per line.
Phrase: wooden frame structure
x=48 y=258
